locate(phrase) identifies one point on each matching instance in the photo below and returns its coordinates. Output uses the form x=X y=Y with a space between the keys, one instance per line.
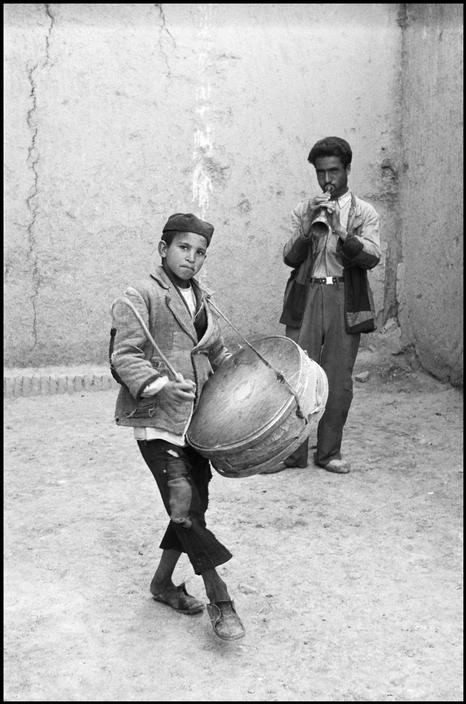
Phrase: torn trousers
x=166 y=461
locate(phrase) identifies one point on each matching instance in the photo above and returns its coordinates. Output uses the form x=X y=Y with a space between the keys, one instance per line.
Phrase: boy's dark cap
x=188 y=222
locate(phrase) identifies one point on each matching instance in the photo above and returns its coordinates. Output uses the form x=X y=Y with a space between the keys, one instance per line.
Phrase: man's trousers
x=323 y=335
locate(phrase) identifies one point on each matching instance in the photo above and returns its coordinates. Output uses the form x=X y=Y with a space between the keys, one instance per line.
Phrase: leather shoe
x=179 y=599
x=337 y=466
x=225 y=621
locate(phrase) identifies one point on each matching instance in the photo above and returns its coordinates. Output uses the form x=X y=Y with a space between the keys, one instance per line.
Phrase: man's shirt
x=327 y=262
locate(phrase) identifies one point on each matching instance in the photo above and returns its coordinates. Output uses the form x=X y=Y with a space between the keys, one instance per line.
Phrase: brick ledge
x=42 y=381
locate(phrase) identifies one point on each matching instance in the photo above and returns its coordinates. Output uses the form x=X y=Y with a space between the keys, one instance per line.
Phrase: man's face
x=185 y=255
x=330 y=171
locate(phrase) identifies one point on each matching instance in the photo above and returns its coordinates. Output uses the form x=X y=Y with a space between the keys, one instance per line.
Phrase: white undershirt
x=190 y=298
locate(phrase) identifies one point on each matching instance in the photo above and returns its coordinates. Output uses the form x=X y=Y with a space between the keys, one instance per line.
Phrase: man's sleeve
x=363 y=249
x=296 y=248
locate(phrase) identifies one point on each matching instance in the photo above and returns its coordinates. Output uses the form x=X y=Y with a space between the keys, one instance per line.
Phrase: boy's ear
x=162 y=248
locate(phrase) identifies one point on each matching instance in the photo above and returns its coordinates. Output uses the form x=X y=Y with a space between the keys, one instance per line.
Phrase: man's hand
x=333 y=216
x=314 y=205
x=333 y=210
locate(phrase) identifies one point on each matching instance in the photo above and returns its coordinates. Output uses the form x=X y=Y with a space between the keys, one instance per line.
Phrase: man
x=328 y=302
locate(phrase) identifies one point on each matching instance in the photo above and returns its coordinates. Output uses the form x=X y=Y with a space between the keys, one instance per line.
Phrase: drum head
x=244 y=396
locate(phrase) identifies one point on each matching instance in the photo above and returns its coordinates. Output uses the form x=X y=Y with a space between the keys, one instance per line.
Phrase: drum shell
x=301 y=400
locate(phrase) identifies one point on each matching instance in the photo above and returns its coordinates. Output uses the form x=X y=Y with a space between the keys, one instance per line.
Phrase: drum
x=252 y=413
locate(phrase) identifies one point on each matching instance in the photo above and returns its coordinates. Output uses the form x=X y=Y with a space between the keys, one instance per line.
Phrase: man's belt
x=326 y=279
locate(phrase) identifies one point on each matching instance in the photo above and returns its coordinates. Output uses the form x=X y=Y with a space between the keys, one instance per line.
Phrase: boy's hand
x=178 y=391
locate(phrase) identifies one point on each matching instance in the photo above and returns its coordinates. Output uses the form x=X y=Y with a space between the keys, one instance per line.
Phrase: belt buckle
x=329 y=279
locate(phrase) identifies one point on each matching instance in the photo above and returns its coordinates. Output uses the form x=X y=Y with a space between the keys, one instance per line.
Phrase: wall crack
x=32 y=201
x=164 y=29
x=49 y=34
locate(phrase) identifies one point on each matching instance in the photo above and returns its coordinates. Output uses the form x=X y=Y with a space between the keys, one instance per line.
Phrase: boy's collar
x=160 y=276
x=172 y=278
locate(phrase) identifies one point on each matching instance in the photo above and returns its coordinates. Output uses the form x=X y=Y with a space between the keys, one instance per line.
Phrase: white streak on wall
x=203 y=135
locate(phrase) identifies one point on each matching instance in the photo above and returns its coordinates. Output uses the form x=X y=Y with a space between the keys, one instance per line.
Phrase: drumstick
x=175 y=374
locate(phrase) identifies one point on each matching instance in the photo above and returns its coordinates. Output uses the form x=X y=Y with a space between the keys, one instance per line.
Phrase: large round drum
x=251 y=416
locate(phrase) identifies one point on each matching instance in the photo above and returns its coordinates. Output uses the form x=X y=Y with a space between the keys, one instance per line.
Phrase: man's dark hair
x=331 y=146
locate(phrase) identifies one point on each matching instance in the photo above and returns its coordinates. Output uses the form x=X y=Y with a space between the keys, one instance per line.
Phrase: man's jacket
x=359 y=252
x=172 y=327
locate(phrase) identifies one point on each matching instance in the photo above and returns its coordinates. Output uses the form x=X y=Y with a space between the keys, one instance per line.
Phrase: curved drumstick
x=127 y=302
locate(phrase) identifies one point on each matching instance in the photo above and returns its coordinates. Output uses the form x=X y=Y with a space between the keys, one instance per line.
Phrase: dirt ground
x=350 y=587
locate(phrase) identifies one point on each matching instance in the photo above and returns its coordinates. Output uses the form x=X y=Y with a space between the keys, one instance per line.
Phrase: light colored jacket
x=170 y=323
x=363 y=224
x=359 y=252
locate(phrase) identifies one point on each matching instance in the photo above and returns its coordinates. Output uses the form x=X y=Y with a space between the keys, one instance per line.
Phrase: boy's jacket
x=136 y=363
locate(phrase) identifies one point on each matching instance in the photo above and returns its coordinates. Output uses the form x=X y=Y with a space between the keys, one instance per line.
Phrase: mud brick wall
x=430 y=285
x=117 y=116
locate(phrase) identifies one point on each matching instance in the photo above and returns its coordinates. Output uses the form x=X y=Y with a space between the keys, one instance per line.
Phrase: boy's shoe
x=225 y=621
x=179 y=599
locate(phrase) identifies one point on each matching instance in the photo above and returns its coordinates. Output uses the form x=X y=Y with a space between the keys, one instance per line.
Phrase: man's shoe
x=337 y=466
x=179 y=599
x=225 y=621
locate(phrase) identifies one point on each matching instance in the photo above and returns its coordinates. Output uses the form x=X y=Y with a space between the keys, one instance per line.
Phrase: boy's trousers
x=323 y=335
x=166 y=461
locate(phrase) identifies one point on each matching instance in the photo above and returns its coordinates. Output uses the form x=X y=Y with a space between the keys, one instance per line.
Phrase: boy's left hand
x=178 y=391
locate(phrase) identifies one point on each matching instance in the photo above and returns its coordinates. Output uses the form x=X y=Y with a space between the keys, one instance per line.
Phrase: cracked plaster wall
x=118 y=115
x=431 y=273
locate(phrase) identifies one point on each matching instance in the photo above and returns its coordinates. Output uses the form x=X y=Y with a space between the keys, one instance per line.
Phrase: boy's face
x=185 y=255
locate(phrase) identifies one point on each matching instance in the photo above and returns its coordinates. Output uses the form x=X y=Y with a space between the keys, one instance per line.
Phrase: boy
x=177 y=313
